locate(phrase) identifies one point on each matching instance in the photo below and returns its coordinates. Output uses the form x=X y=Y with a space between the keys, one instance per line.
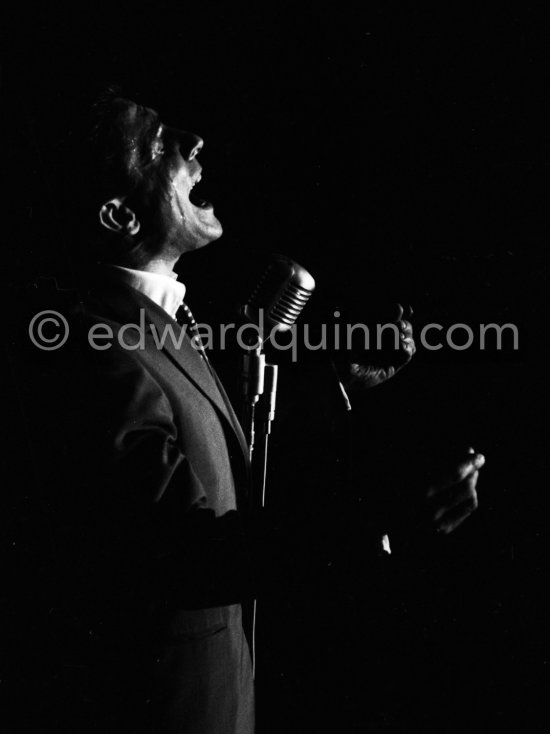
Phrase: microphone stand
x=269 y=400
x=280 y=295
x=260 y=381
x=253 y=387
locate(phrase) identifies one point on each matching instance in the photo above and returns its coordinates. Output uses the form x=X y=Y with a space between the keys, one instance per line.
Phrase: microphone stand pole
x=269 y=400
x=260 y=380
x=253 y=388
x=260 y=390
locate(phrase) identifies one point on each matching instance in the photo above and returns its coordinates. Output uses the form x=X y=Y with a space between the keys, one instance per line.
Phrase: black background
x=398 y=154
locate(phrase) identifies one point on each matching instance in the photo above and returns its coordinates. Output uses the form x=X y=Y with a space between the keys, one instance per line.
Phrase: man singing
x=155 y=548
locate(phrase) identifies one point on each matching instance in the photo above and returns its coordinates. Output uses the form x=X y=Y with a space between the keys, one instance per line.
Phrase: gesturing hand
x=374 y=368
x=453 y=497
x=413 y=513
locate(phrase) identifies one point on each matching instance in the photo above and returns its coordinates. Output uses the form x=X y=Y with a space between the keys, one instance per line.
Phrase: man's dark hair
x=98 y=146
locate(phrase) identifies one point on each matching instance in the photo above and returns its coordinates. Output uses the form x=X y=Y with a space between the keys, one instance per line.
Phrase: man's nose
x=190 y=145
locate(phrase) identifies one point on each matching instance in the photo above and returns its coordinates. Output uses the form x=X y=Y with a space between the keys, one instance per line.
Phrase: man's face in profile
x=164 y=162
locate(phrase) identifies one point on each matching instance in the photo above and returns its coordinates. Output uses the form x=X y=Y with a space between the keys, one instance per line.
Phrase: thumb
x=459 y=473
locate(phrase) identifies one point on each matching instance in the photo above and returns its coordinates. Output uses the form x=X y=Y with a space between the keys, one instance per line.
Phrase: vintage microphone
x=274 y=305
x=282 y=292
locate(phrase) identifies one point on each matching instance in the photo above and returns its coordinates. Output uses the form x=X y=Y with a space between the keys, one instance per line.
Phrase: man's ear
x=117 y=217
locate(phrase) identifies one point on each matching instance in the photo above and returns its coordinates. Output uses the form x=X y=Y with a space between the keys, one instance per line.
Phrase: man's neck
x=160 y=266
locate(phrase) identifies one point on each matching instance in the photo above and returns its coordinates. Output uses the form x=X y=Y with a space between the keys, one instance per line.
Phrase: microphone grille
x=282 y=292
x=289 y=304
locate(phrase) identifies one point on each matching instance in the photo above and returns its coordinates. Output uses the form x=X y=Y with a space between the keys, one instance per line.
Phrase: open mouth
x=196 y=197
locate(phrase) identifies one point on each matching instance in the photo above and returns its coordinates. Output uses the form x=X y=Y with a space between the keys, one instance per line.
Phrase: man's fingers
x=455 y=517
x=406 y=336
x=455 y=496
x=406 y=310
x=408 y=344
x=463 y=469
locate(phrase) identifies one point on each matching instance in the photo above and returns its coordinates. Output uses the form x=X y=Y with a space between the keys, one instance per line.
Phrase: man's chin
x=209 y=234
x=207 y=221
x=214 y=232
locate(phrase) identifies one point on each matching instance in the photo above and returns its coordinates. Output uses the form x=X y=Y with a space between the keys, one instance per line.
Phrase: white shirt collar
x=165 y=290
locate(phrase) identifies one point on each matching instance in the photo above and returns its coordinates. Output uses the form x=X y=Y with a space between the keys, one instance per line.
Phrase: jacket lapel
x=131 y=306
x=188 y=359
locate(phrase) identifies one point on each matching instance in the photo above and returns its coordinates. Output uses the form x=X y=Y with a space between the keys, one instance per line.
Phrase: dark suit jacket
x=144 y=480
x=147 y=496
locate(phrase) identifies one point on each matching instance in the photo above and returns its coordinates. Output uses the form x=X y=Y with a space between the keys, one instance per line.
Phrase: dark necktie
x=184 y=316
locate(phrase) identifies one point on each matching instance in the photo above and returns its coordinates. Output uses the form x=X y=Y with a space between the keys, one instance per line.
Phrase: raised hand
x=453 y=497
x=373 y=367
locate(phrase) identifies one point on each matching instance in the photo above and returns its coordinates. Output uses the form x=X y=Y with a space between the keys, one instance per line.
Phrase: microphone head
x=282 y=292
